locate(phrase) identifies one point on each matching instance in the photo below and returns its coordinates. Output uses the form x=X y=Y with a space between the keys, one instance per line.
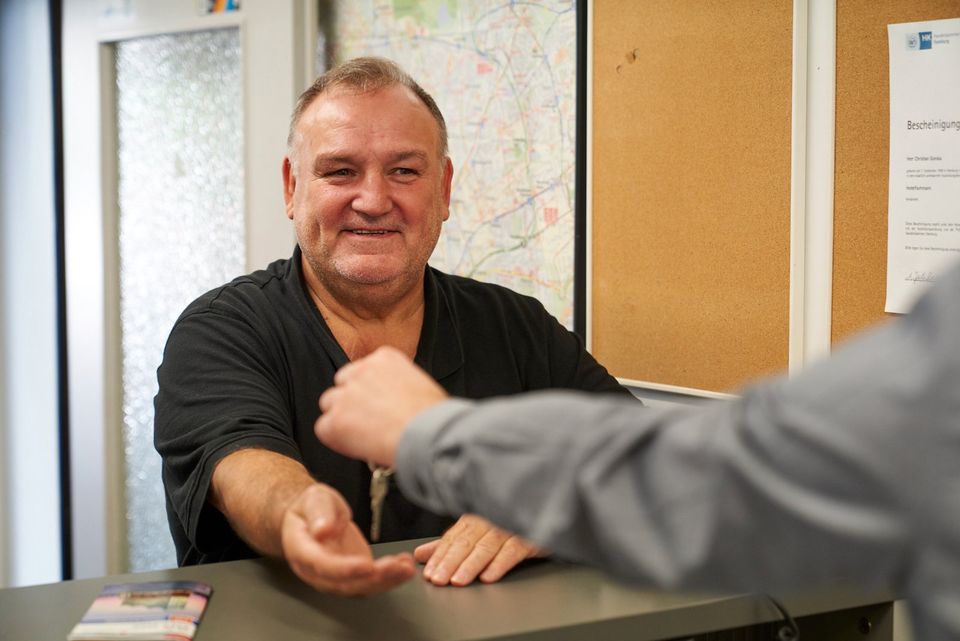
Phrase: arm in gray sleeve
x=836 y=473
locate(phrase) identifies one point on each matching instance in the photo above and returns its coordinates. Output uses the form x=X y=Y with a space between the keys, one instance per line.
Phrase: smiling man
x=367 y=185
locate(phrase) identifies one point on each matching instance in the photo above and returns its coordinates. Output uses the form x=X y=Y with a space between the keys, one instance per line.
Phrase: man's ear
x=447 y=183
x=289 y=185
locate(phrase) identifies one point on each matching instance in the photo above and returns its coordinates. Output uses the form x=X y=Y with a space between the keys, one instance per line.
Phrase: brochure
x=163 y=610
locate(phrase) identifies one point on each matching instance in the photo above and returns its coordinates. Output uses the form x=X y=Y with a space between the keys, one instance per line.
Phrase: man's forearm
x=253 y=488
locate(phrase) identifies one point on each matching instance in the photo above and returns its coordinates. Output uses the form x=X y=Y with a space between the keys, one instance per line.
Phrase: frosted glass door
x=181 y=229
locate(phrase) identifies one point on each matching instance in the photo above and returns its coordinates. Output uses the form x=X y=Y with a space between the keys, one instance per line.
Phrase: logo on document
x=921 y=40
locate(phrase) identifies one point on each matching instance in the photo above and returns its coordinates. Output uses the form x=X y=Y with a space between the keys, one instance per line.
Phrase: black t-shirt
x=246 y=363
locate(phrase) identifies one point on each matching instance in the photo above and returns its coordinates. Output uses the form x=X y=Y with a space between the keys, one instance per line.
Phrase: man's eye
x=334 y=174
x=405 y=171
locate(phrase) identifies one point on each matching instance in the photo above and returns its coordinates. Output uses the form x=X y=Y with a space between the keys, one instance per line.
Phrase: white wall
x=29 y=483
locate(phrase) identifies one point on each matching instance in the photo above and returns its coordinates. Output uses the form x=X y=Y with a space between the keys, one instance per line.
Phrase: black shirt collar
x=439 y=352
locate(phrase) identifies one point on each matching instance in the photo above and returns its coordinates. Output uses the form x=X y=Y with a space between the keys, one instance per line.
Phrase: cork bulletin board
x=691 y=190
x=862 y=154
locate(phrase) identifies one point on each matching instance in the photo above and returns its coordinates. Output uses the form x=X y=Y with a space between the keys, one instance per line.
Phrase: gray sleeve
x=796 y=482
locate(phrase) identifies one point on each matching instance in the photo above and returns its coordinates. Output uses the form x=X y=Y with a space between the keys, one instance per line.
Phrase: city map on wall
x=504 y=76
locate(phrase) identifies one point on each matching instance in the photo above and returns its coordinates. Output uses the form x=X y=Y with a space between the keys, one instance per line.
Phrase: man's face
x=366 y=187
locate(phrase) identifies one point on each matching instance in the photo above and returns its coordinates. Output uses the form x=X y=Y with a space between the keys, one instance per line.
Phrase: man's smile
x=365 y=231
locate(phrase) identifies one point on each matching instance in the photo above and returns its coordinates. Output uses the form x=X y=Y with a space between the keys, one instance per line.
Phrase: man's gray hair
x=365 y=75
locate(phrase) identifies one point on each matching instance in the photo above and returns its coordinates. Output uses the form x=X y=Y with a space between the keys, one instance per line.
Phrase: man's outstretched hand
x=325 y=548
x=274 y=504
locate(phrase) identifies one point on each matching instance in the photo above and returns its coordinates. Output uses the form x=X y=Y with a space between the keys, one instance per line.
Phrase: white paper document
x=924 y=196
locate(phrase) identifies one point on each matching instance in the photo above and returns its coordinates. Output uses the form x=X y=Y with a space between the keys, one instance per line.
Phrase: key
x=379 y=486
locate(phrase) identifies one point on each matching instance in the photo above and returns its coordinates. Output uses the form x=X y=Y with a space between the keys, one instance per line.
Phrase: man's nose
x=373 y=197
